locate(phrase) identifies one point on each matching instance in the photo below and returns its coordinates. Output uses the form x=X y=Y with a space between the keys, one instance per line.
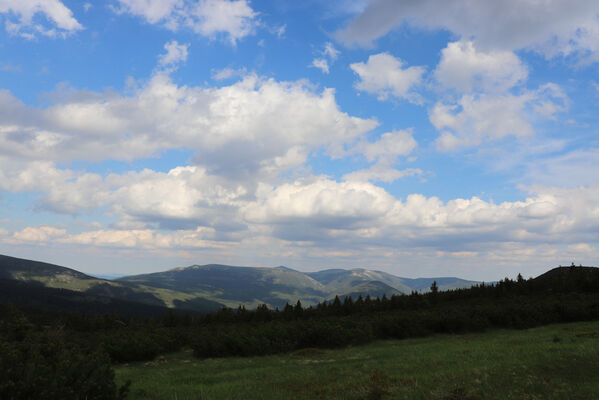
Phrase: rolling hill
x=57 y=277
x=232 y=286
x=38 y=296
x=209 y=287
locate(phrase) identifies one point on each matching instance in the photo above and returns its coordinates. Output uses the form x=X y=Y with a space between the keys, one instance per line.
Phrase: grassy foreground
x=552 y=362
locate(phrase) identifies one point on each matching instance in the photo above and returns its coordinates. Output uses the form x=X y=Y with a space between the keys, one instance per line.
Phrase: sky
x=420 y=138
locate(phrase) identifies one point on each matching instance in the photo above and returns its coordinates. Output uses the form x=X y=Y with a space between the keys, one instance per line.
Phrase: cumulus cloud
x=384 y=152
x=465 y=69
x=240 y=135
x=253 y=126
x=384 y=76
x=553 y=27
x=234 y=18
x=359 y=213
x=488 y=99
x=319 y=218
x=153 y=11
x=389 y=146
x=475 y=118
x=41 y=234
x=175 y=53
x=20 y=17
x=182 y=198
x=323 y=201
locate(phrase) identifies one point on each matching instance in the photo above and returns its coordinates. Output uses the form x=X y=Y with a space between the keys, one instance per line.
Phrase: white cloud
x=384 y=76
x=175 y=53
x=358 y=213
x=279 y=31
x=487 y=104
x=180 y=198
x=253 y=126
x=322 y=64
x=123 y=238
x=185 y=196
x=381 y=172
x=228 y=73
x=19 y=18
x=146 y=239
x=552 y=27
x=214 y=16
x=242 y=134
x=357 y=222
x=570 y=169
x=330 y=51
x=329 y=56
x=550 y=100
x=465 y=69
x=475 y=118
x=384 y=152
x=40 y=234
x=234 y=18
x=387 y=147
x=153 y=11
x=320 y=202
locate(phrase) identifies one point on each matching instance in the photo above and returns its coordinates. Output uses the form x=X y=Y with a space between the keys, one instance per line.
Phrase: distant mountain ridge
x=210 y=287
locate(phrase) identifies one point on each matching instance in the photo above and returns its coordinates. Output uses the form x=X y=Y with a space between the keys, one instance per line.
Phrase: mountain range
x=203 y=288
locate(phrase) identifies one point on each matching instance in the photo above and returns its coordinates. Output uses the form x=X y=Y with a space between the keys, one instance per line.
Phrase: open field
x=552 y=362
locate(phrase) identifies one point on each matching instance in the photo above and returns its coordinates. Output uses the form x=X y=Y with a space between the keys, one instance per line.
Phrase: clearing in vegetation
x=552 y=362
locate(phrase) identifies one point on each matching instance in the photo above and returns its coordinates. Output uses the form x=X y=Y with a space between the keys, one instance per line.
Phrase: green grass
x=552 y=362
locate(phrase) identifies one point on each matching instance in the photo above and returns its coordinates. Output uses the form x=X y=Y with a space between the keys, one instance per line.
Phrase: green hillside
x=210 y=287
x=57 y=277
x=37 y=296
x=232 y=286
x=338 y=281
x=49 y=275
x=372 y=289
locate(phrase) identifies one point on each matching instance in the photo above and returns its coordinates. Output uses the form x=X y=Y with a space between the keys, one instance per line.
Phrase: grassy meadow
x=551 y=362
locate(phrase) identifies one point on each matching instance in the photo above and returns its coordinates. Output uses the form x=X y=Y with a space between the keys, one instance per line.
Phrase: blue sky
x=426 y=138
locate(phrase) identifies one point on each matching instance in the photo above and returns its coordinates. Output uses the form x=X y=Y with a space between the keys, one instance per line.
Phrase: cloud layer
x=233 y=18
x=552 y=27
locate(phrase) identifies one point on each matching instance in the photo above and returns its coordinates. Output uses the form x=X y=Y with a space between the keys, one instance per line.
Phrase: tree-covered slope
x=373 y=289
x=49 y=275
x=232 y=286
x=57 y=277
x=340 y=281
x=210 y=287
x=443 y=283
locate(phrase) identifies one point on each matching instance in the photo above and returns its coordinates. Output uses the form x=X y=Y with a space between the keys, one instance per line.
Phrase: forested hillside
x=205 y=288
x=562 y=295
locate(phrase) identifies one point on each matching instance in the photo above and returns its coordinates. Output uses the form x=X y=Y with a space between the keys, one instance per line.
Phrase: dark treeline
x=68 y=355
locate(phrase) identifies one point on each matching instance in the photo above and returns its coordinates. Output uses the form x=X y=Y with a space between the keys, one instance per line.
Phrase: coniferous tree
x=434 y=288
